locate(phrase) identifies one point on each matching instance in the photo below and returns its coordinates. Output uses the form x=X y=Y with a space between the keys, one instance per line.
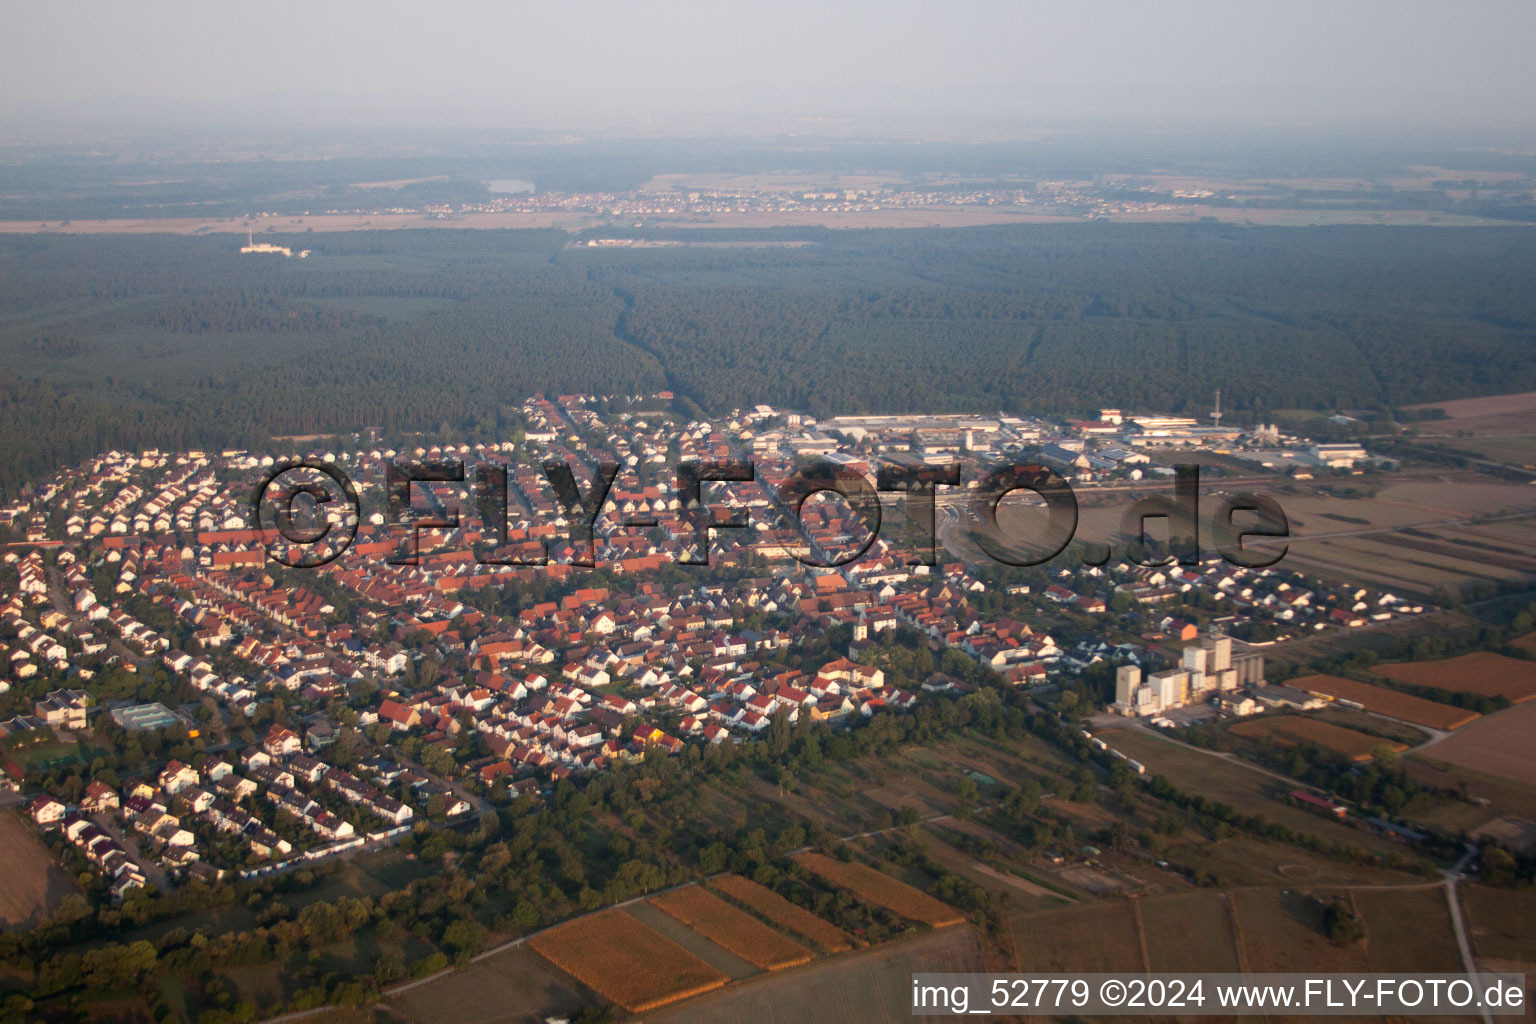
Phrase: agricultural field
x=732 y=965
x=880 y=889
x=731 y=929
x=1375 y=725
x=482 y=992
x=1190 y=932
x=1501 y=922
x=1386 y=701
x=769 y=905
x=1504 y=796
x=625 y=962
x=1499 y=745
x=940 y=842
x=1417 y=531
x=1484 y=673
x=870 y=986
x=1290 y=730
x=1100 y=936
x=33 y=885
x=1407 y=929
x=1282 y=931
x=1500 y=427
x=1233 y=782
x=1243 y=860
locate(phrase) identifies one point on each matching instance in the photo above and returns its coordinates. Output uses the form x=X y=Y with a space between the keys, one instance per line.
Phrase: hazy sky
x=1418 y=64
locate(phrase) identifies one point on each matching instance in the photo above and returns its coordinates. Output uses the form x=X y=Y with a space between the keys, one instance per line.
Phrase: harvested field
x=1189 y=932
x=1098 y=936
x=1504 y=796
x=482 y=992
x=1385 y=701
x=1482 y=414
x=33 y=885
x=732 y=929
x=1526 y=643
x=626 y=962
x=881 y=889
x=1502 y=922
x=1290 y=730
x=1484 y=673
x=1282 y=932
x=1408 y=929
x=766 y=903
x=1500 y=745
x=871 y=986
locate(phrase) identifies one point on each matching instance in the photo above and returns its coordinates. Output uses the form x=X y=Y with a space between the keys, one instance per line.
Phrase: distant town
x=316 y=713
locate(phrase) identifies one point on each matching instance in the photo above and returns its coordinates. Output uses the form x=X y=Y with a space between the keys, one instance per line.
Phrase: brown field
x=33 y=885
x=1408 y=929
x=1189 y=932
x=871 y=986
x=1501 y=922
x=1282 y=931
x=1504 y=796
x=1242 y=861
x=1499 y=745
x=482 y=992
x=940 y=841
x=1483 y=414
x=1099 y=936
x=625 y=962
x=1484 y=673
x=1387 y=702
x=764 y=902
x=1526 y=643
x=732 y=929
x=1235 y=783
x=1364 y=539
x=881 y=889
x=1289 y=730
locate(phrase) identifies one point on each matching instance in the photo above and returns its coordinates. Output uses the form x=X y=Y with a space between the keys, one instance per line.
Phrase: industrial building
x=1206 y=667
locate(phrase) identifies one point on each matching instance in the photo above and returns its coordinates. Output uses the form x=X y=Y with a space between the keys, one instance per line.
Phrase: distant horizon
x=1413 y=71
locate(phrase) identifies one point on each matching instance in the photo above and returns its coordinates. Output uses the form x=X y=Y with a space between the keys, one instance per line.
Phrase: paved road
x=153 y=872
x=1468 y=960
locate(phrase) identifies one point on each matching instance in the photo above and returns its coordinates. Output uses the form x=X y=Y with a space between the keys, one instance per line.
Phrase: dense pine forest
x=113 y=341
